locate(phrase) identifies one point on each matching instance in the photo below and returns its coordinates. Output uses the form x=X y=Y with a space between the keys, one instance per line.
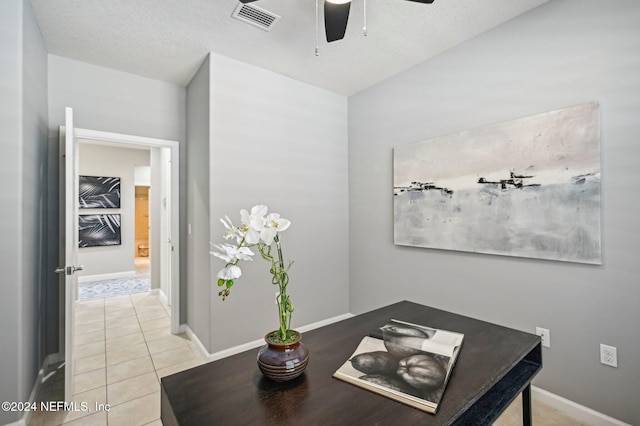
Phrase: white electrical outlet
x=545 y=335
x=608 y=355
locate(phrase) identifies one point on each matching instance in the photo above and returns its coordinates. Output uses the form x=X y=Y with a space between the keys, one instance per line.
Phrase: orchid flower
x=257 y=229
x=231 y=254
x=230 y=272
x=255 y=219
x=274 y=224
x=232 y=231
x=252 y=223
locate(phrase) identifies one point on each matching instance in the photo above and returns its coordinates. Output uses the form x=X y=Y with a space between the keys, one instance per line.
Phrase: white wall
x=101 y=160
x=142 y=176
x=282 y=143
x=156 y=211
x=161 y=202
x=563 y=53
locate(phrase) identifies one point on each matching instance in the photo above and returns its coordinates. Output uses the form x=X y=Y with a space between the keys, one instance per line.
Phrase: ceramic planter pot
x=282 y=362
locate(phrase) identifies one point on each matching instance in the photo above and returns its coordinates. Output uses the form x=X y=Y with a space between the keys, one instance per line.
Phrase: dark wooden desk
x=495 y=365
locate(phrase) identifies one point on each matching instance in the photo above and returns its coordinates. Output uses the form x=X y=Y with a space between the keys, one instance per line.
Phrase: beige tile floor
x=123 y=346
x=143 y=265
x=542 y=415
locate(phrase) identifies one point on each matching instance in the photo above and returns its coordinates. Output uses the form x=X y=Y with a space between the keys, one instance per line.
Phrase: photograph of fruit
x=411 y=364
x=420 y=374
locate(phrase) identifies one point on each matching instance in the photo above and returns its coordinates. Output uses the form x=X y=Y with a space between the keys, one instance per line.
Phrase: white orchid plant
x=261 y=230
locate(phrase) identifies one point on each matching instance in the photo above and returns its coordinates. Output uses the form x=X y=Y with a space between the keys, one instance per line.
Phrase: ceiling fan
x=336 y=16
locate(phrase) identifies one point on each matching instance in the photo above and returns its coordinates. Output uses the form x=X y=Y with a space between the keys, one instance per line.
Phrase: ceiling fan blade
x=422 y=1
x=251 y=1
x=335 y=20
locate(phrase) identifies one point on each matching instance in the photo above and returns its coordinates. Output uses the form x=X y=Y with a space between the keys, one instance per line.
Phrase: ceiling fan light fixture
x=336 y=16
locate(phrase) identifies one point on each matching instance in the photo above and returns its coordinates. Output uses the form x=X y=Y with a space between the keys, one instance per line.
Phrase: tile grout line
x=106 y=393
x=138 y=308
x=155 y=370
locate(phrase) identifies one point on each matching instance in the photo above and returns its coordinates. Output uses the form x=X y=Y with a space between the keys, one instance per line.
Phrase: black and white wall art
x=528 y=187
x=96 y=230
x=98 y=192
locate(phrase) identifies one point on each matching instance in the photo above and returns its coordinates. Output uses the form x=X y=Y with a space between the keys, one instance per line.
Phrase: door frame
x=69 y=246
x=174 y=146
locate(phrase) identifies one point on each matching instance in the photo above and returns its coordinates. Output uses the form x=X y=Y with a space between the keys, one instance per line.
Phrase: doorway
x=142 y=223
x=114 y=183
x=156 y=252
x=70 y=219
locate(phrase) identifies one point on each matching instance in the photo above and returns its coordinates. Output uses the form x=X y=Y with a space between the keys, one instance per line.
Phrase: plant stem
x=283 y=300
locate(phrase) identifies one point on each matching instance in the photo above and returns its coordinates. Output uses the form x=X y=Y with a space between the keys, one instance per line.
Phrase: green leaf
x=229 y=283
x=220 y=282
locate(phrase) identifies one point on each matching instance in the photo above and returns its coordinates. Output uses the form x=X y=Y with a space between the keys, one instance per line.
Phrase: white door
x=166 y=250
x=69 y=233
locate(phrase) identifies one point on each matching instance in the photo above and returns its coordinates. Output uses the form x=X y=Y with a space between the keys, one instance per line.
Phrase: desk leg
x=526 y=406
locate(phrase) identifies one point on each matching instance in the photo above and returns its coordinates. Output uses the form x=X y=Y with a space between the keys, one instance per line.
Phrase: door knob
x=69 y=269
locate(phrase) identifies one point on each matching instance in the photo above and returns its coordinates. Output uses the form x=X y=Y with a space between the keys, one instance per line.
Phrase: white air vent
x=255 y=16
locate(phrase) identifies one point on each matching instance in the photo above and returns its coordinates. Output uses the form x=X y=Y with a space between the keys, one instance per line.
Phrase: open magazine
x=410 y=364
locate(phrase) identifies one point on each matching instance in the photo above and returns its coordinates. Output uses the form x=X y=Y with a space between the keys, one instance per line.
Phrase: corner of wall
x=197 y=218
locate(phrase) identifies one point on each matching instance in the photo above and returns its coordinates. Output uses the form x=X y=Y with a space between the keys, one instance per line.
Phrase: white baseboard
x=163 y=297
x=49 y=360
x=102 y=277
x=574 y=410
x=235 y=350
x=322 y=323
x=184 y=328
x=255 y=343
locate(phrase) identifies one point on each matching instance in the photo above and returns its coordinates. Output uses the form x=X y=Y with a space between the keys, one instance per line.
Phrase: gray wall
x=110 y=101
x=563 y=53
x=282 y=143
x=23 y=117
x=33 y=174
x=198 y=134
x=10 y=255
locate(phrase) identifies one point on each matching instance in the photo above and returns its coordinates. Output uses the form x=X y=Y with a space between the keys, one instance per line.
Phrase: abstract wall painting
x=97 y=230
x=99 y=192
x=528 y=188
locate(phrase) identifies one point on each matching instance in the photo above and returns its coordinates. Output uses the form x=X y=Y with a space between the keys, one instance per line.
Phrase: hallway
x=123 y=347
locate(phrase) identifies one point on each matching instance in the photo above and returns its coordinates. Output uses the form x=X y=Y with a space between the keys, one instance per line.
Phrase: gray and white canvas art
x=99 y=192
x=95 y=230
x=528 y=187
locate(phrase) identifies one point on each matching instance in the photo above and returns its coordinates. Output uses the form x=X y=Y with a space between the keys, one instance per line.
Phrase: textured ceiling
x=168 y=39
